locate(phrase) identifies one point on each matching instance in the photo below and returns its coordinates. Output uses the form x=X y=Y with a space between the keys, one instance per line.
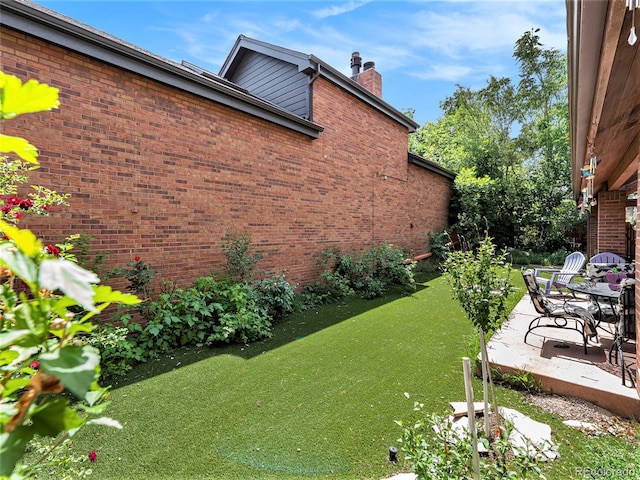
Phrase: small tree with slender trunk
x=481 y=284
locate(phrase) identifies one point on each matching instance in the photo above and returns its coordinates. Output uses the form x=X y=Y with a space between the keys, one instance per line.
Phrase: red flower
x=46 y=208
x=13 y=200
x=52 y=250
x=35 y=364
x=18 y=215
x=136 y=258
x=7 y=208
x=92 y=456
x=26 y=204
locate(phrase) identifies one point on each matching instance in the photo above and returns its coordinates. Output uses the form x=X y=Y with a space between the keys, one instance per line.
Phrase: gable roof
x=38 y=21
x=286 y=75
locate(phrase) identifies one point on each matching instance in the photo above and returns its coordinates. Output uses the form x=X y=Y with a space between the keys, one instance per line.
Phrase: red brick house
x=162 y=158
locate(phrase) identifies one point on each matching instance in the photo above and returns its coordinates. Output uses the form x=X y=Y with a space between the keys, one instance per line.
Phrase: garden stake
x=471 y=415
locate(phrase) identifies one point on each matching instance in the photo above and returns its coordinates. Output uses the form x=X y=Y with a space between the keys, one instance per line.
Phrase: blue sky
x=422 y=48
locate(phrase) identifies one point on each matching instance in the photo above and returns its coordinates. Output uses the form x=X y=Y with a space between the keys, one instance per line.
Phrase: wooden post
x=485 y=383
x=471 y=414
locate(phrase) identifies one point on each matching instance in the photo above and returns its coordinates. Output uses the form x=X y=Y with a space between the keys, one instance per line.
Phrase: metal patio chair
x=556 y=315
x=625 y=328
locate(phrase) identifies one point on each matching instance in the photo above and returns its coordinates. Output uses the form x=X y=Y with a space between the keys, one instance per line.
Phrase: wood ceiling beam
x=627 y=167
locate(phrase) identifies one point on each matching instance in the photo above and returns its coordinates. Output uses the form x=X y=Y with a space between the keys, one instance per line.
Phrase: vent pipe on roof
x=356 y=63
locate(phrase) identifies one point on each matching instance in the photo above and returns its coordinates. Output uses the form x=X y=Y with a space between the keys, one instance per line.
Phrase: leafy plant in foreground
x=437 y=451
x=40 y=355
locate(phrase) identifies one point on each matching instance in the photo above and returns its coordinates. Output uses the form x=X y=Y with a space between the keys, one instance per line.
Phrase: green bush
x=439 y=245
x=208 y=312
x=370 y=275
x=274 y=297
x=118 y=352
x=241 y=261
x=529 y=257
x=437 y=451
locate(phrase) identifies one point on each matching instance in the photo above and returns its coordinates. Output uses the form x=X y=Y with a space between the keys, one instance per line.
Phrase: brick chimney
x=369 y=78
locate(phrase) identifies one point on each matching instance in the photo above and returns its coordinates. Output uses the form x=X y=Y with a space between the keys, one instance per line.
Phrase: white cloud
x=335 y=10
x=450 y=73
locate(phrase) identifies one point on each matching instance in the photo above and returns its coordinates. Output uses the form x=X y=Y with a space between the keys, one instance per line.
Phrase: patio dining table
x=601 y=292
x=598 y=291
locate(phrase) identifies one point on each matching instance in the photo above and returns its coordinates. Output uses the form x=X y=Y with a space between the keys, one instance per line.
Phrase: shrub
x=439 y=244
x=528 y=257
x=437 y=451
x=370 y=275
x=274 y=297
x=241 y=262
x=208 y=312
x=118 y=351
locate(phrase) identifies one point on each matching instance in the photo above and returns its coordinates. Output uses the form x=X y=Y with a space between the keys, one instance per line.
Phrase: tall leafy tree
x=512 y=141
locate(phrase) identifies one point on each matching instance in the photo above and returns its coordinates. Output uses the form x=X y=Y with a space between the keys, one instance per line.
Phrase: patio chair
x=556 y=315
x=602 y=264
x=607 y=257
x=560 y=277
x=625 y=328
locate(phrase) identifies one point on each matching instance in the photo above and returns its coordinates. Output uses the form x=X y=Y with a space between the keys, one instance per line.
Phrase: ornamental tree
x=479 y=284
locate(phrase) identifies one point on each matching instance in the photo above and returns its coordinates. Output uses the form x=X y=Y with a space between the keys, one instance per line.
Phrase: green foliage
x=41 y=287
x=370 y=275
x=472 y=203
x=139 y=276
x=436 y=451
x=479 y=284
x=274 y=296
x=516 y=184
x=520 y=257
x=439 y=244
x=520 y=380
x=118 y=352
x=209 y=312
x=39 y=357
x=241 y=261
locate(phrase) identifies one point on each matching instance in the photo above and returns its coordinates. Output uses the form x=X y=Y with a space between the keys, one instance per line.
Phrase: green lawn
x=318 y=400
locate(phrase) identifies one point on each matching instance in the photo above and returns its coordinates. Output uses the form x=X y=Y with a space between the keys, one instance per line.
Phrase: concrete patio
x=556 y=358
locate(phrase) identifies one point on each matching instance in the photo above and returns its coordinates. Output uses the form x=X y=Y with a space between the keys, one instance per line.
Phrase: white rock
x=403 y=476
x=529 y=435
x=582 y=425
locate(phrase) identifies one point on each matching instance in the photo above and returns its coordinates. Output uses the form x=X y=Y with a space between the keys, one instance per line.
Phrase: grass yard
x=318 y=400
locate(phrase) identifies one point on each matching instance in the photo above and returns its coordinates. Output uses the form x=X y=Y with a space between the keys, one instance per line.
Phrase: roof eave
x=51 y=26
x=434 y=167
x=344 y=82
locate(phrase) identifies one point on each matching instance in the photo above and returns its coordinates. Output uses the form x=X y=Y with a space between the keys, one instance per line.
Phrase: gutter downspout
x=312 y=79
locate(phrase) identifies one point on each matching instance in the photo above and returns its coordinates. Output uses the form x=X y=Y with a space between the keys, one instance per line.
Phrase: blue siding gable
x=275 y=81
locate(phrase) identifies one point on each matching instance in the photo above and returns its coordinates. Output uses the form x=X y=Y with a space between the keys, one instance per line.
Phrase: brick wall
x=611 y=225
x=371 y=80
x=157 y=172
